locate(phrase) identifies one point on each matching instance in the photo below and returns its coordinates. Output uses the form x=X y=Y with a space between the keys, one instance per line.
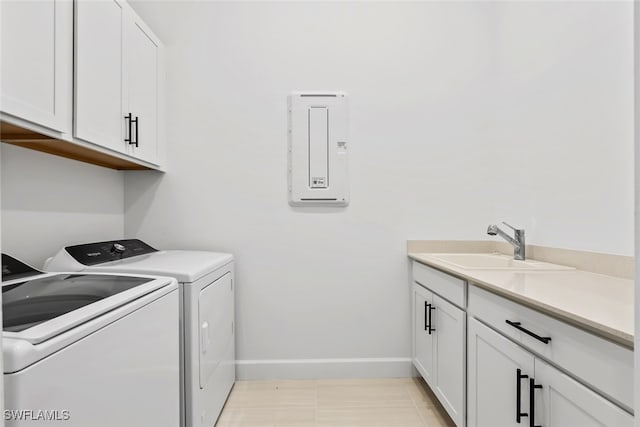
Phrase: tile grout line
x=415 y=405
x=337 y=419
x=315 y=410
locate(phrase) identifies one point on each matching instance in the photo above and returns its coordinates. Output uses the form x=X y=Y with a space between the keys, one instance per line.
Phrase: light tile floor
x=397 y=402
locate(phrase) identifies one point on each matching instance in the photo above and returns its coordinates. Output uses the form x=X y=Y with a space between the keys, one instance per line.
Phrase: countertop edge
x=619 y=337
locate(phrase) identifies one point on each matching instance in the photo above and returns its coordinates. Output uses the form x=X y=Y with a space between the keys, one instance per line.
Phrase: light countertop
x=596 y=302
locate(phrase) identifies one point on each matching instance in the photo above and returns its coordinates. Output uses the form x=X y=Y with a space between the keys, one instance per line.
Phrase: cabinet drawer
x=602 y=364
x=449 y=287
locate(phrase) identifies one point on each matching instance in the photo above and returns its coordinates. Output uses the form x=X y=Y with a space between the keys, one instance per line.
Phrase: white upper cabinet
x=99 y=86
x=117 y=79
x=141 y=91
x=81 y=79
x=36 y=65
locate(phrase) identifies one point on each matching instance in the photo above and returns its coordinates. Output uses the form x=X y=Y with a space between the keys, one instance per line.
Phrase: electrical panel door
x=317 y=160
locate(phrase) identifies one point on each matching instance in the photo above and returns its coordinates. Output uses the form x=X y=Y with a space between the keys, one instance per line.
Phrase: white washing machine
x=206 y=308
x=82 y=350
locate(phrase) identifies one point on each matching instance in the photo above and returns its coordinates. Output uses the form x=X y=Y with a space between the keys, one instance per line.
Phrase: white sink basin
x=494 y=262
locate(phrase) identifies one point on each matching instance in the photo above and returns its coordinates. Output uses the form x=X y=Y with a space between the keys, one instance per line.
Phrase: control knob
x=118 y=248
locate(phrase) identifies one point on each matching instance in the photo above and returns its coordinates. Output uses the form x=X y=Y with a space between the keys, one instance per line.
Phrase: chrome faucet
x=517 y=241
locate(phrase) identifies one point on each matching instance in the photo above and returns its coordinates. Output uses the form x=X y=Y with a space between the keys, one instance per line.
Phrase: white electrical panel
x=318 y=149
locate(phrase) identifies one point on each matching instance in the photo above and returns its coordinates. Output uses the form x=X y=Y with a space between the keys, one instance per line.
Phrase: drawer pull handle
x=532 y=402
x=431 y=307
x=518 y=326
x=519 y=378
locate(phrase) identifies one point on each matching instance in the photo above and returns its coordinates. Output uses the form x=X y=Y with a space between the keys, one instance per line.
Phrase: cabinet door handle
x=128 y=120
x=519 y=377
x=431 y=307
x=426 y=311
x=137 y=122
x=532 y=402
x=518 y=326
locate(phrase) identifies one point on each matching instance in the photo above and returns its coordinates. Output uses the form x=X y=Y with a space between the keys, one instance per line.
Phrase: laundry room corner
x=65 y=200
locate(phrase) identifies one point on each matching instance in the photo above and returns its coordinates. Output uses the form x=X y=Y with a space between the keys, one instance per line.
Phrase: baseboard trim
x=305 y=369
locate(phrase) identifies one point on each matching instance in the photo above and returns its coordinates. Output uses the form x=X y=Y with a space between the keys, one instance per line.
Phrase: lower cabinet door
x=423 y=340
x=496 y=370
x=561 y=401
x=448 y=324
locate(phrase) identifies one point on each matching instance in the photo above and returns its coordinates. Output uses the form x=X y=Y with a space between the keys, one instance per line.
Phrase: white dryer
x=206 y=307
x=94 y=350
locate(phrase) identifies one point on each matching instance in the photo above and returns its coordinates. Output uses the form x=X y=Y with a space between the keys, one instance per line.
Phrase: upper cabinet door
x=36 y=61
x=99 y=83
x=141 y=89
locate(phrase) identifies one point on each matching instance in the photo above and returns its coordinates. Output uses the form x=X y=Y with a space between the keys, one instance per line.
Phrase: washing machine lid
x=13 y=269
x=185 y=266
x=40 y=308
x=133 y=256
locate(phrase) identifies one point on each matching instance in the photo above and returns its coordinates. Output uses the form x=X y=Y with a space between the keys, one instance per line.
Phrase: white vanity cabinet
x=527 y=368
x=497 y=378
x=504 y=380
x=493 y=362
x=117 y=73
x=561 y=401
x=36 y=62
x=439 y=338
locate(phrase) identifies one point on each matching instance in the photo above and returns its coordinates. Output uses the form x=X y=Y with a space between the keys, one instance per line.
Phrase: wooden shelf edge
x=21 y=137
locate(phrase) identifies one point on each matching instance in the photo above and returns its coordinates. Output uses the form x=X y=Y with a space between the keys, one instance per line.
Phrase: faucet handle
x=512 y=227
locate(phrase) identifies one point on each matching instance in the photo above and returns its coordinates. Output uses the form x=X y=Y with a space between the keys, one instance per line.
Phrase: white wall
x=564 y=119
x=636 y=341
x=462 y=114
x=49 y=202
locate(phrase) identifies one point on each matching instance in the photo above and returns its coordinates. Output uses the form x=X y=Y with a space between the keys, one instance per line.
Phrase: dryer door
x=215 y=308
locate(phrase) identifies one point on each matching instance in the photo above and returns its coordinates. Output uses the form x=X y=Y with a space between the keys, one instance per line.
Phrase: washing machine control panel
x=113 y=250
